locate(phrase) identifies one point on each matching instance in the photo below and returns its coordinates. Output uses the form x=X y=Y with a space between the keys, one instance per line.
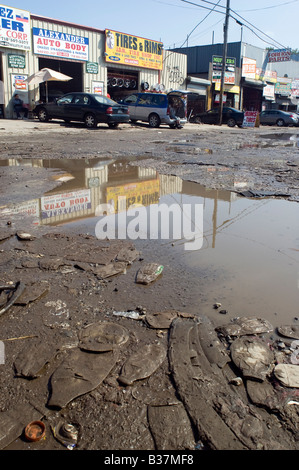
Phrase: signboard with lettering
x=248 y=68
x=56 y=44
x=279 y=55
x=250 y=119
x=16 y=61
x=92 y=67
x=15 y=28
x=229 y=73
x=266 y=75
x=283 y=86
x=126 y=49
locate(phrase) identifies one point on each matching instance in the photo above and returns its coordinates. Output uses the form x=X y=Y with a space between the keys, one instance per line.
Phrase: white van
x=155 y=108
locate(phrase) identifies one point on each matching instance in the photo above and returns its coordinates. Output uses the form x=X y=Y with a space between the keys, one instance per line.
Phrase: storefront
x=98 y=61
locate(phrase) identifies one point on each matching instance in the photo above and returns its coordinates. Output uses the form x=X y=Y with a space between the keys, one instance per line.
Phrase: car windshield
x=104 y=100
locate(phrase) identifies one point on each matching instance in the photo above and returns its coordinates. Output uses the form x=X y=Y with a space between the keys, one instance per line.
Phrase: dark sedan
x=230 y=116
x=84 y=107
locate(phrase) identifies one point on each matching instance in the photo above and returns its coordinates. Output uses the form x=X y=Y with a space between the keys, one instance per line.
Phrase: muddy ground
x=183 y=394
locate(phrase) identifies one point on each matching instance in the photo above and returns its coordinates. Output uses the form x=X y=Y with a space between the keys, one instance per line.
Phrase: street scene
x=149 y=250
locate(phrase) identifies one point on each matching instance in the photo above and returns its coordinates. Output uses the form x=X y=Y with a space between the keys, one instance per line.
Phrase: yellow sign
x=126 y=195
x=228 y=89
x=126 y=49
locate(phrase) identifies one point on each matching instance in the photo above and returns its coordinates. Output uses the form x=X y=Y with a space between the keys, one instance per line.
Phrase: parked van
x=154 y=108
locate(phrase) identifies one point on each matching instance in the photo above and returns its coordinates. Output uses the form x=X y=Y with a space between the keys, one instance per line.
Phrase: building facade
x=99 y=61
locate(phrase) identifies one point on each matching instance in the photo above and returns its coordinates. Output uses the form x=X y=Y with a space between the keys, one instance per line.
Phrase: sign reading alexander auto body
x=15 y=28
x=54 y=43
x=132 y=50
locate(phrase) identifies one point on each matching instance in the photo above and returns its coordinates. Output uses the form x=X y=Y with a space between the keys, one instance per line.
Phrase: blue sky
x=172 y=21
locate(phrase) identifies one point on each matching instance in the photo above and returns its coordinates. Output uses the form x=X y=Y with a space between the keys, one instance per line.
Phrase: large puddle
x=249 y=258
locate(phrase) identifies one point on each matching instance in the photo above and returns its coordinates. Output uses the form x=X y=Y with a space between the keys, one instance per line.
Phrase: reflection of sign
x=248 y=68
x=250 y=118
x=92 y=67
x=15 y=28
x=16 y=61
x=279 y=55
x=54 y=43
x=65 y=203
x=141 y=192
x=229 y=73
x=132 y=50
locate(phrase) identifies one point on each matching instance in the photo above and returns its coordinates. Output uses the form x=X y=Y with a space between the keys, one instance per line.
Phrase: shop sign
x=279 y=55
x=269 y=92
x=228 y=88
x=16 y=61
x=229 y=73
x=56 y=44
x=18 y=84
x=142 y=192
x=283 y=86
x=92 y=67
x=266 y=75
x=295 y=87
x=65 y=203
x=126 y=49
x=248 y=68
x=15 y=28
x=97 y=87
x=250 y=119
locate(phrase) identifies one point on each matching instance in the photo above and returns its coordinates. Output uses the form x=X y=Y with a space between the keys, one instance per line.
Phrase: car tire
x=231 y=122
x=113 y=125
x=90 y=121
x=280 y=122
x=154 y=120
x=43 y=115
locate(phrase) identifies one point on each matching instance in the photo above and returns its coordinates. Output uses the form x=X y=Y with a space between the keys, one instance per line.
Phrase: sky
x=178 y=23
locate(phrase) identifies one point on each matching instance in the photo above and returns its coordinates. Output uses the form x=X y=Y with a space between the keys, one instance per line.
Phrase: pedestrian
x=19 y=107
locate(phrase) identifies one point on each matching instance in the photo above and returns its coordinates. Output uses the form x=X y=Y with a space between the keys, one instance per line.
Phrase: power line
x=273 y=6
x=273 y=43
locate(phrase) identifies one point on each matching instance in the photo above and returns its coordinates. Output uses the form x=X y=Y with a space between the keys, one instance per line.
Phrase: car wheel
x=90 y=121
x=154 y=120
x=280 y=122
x=231 y=122
x=43 y=115
x=113 y=125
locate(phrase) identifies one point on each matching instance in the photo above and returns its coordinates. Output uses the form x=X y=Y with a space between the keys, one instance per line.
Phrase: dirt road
x=156 y=370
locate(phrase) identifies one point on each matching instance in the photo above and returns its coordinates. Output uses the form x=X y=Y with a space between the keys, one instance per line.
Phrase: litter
x=102 y=336
x=287 y=374
x=35 y=431
x=161 y=320
x=253 y=357
x=142 y=364
x=18 y=290
x=149 y=273
x=242 y=326
x=67 y=434
x=290 y=331
x=129 y=314
x=33 y=358
x=112 y=269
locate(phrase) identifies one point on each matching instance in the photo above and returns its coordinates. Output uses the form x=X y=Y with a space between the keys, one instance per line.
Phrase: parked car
x=230 y=116
x=84 y=107
x=277 y=117
x=154 y=108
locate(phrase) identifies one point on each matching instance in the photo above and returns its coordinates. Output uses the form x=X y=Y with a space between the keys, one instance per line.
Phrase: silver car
x=278 y=118
x=157 y=108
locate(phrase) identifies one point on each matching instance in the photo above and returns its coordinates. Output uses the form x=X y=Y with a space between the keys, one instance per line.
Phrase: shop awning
x=254 y=83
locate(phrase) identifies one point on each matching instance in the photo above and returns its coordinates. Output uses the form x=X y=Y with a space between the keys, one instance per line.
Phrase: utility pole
x=225 y=30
